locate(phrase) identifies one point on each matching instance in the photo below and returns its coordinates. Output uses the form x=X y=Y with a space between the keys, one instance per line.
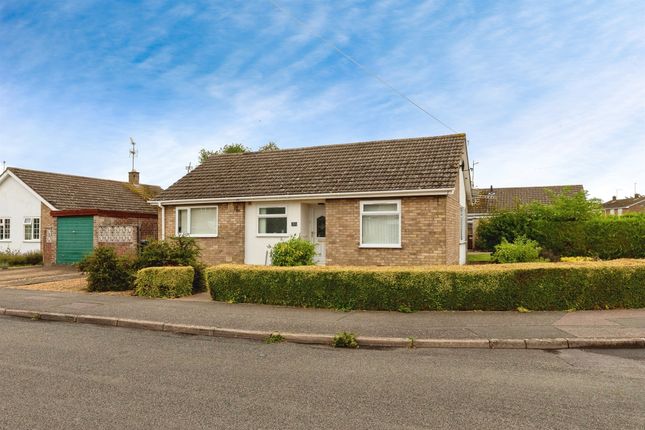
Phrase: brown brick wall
x=144 y=229
x=423 y=234
x=228 y=246
x=47 y=235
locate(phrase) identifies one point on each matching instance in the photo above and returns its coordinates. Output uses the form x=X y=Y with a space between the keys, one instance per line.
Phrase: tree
x=271 y=146
x=205 y=153
x=233 y=148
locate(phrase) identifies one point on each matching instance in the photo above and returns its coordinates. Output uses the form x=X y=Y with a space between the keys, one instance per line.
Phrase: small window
x=197 y=221
x=272 y=220
x=381 y=224
x=5 y=228
x=32 y=228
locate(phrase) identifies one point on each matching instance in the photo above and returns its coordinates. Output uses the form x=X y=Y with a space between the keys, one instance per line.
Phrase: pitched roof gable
x=485 y=201
x=423 y=163
x=69 y=192
x=623 y=203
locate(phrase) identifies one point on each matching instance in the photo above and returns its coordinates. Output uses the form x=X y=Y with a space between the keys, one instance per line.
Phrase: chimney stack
x=613 y=197
x=637 y=195
x=133 y=177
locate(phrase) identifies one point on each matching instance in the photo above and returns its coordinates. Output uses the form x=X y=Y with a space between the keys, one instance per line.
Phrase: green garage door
x=75 y=238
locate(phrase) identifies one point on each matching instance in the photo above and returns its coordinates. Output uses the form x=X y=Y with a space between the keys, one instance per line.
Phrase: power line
x=363 y=68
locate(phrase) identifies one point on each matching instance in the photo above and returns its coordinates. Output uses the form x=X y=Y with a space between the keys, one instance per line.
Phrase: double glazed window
x=381 y=224
x=32 y=228
x=5 y=228
x=197 y=221
x=272 y=220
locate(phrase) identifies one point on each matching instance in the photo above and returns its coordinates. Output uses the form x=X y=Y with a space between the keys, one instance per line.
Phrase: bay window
x=272 y=220
x=197 y=221
x=380 y=224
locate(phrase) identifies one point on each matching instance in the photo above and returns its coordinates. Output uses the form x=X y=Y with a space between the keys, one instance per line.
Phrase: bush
x=10 y=258
x=570 y=226
x=536 y=286
x=522 y=250
x=293 y=252
x=164 y=281
x=106 y=271
x=176 y=251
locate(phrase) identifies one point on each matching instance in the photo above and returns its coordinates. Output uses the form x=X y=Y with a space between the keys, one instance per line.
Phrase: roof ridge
x=532 y=186
x=78 y=176
x=332 y=145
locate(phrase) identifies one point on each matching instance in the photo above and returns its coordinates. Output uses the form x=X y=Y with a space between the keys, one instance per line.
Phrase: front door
x=320 y=232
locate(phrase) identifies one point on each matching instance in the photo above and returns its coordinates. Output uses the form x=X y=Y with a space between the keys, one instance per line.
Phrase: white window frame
x=3 y=218
x=398 y=212
x=188 y=210
x=31 y=223
x=259 y=216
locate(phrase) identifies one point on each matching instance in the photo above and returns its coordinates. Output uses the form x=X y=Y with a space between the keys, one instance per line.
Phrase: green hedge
x=168 y=282
x=536 y=286
x=606 y=237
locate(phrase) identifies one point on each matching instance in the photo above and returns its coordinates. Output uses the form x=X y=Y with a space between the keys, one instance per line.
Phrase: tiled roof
x=623 y=203
x=68 y=192
x=387 y=165
x=487 y=201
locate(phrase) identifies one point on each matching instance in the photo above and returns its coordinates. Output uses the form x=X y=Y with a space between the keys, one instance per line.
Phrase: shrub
x=535 y=286
x=176 y=251
x=345 y=340
x=293 y=252
x=164 y=281
x=10 y=258
x=106 y=271
x=522 y=250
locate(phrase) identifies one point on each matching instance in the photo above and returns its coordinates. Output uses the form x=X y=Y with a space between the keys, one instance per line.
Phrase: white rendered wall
x=257 y=245
x=463 y=246
x=17 y=203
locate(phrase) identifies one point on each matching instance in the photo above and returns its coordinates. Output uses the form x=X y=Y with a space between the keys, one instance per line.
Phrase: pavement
x=374 y=328
x=78 y=376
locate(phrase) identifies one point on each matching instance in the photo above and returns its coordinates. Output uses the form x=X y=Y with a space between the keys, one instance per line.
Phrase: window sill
x=273 y=235
x=200 y=236
x=380 y=246
x=31 y=241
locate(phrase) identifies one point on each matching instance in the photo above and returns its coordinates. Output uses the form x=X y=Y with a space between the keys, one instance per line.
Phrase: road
x=59 y=375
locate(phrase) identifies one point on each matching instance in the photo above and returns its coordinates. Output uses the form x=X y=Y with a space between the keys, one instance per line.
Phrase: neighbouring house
x=622 y=206
x=487 y=201
x=390 y=202
x=66 y=216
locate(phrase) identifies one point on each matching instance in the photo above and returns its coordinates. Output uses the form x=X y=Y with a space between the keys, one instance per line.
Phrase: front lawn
x=475 y=257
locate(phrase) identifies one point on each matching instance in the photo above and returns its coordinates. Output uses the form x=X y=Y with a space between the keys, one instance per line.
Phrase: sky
x=548 y=92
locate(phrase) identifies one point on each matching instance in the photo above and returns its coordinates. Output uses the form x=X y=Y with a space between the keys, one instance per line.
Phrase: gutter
x=367 y=194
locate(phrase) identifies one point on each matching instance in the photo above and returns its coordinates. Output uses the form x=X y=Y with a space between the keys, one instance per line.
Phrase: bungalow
x=622 y=206
x=487 y=201
x=390 y=202
x=65 y=216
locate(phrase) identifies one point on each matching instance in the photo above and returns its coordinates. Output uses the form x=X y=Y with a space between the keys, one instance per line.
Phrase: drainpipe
x=163 y=220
